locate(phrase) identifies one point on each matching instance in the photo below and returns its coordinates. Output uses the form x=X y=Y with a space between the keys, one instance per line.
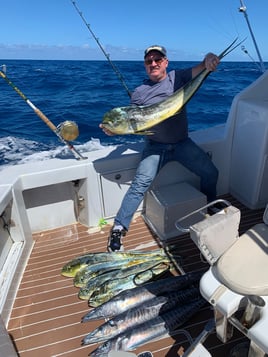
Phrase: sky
x=53 y=29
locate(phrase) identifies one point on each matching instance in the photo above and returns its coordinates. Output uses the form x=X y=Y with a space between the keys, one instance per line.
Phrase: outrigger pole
x=41 y=115
x=116 y=70
x=243 y=9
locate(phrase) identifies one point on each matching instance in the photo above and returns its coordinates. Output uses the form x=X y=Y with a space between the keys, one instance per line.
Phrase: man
x=169 y=141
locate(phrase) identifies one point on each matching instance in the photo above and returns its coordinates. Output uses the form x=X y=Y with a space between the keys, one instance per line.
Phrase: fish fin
x=144 y=132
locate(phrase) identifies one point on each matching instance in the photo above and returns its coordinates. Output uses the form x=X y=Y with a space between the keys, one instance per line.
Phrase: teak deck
x=46 y=316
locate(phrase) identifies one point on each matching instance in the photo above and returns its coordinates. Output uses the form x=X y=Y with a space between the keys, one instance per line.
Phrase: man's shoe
x=114 y=240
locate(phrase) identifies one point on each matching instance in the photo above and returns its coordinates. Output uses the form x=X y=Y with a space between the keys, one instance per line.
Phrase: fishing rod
x=243 y=9
x=65 y=131
x=116 y=70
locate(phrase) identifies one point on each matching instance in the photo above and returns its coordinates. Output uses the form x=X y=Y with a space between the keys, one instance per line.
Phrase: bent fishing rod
x=116 y=70
x=67 y=129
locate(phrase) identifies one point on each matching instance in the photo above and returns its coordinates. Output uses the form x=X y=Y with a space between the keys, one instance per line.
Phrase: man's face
x=156 y=65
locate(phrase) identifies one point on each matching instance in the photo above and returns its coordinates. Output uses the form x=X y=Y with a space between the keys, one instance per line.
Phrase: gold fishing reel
x=68 y=130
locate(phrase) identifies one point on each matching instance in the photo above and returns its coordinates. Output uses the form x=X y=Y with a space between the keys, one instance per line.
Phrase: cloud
x=63 y=52
x=87 y=52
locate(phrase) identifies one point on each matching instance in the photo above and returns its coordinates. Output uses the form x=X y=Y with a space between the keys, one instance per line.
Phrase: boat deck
x=46 y=317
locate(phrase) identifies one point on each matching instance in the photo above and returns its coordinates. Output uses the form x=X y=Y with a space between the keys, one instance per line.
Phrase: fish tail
x=183 y=314
x=230 y=48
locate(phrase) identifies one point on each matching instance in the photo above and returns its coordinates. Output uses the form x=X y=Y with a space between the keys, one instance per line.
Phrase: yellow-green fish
x=113 y=287
x=91 y=271
x=71 y=268
x=119 y=273
x=138 y=119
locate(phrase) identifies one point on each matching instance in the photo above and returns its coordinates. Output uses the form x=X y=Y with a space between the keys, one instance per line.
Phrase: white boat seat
x=240 y=272
x=217 y=233
x=243 y=268
x=239 y=263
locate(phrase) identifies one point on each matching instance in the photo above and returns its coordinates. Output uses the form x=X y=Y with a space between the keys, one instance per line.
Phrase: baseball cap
x=158 y=48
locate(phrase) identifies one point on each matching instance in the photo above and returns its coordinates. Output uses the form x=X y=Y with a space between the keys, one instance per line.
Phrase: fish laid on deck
x=72 y=267
x=118 y=273
x=113 y=287
x=84 y=275
x=138 y=119
x=141 y=313
x=158 y=327
x=133 y=297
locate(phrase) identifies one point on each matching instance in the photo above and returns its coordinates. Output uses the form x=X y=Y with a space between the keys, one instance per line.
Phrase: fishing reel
x=68 y=130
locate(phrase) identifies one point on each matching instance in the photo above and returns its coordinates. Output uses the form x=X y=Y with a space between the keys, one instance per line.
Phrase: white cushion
x=215 y=234
x=244 y=267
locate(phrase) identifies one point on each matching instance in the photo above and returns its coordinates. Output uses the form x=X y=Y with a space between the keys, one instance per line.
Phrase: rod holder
x=253 y=309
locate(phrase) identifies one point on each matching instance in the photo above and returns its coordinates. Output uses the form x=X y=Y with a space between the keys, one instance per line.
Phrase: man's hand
x=211 y=61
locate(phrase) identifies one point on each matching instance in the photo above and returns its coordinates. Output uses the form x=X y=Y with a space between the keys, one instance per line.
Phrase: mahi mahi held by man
x=139 y=119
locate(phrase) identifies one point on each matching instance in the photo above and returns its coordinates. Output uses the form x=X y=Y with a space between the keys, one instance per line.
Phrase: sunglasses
x=158 y=60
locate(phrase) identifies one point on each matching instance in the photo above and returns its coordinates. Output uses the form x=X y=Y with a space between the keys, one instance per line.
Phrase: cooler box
x=166 y=204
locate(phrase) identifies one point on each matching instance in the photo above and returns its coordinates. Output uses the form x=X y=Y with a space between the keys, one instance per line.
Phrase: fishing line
x=60 y=131
x=116 y=70
x=252 y=59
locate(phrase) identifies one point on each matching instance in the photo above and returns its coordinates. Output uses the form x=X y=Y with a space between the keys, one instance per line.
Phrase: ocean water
x=83 y=91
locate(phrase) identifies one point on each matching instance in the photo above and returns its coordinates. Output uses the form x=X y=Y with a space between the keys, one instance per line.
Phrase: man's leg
x=196 y=160
x=145 y=174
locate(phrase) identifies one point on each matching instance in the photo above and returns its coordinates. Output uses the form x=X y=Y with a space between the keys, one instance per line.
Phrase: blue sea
x=82 y=91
